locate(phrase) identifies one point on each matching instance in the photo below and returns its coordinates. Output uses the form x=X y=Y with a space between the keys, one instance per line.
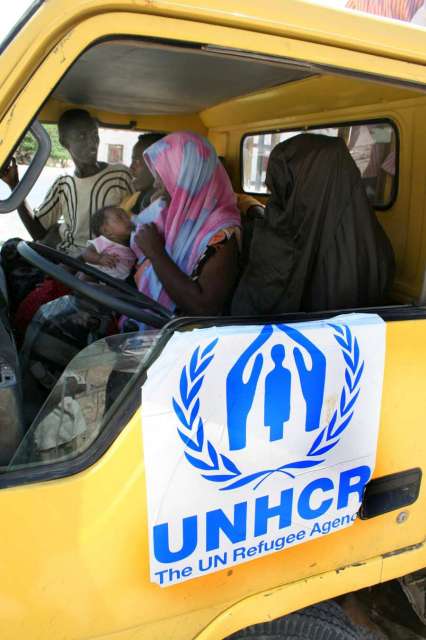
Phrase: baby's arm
x=90 y=255
x=102 y=259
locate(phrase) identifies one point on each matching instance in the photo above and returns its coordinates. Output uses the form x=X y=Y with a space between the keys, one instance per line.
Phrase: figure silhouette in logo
x=277 y=395
x=240 y=394
x=312 y=380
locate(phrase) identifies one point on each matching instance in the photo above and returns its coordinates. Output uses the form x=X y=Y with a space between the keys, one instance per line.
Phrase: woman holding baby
x=186 y=242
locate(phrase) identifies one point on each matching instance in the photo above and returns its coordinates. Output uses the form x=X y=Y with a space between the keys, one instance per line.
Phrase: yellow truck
x=89 y=545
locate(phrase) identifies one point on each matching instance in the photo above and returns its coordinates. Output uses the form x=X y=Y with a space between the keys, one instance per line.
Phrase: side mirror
x=28 y=180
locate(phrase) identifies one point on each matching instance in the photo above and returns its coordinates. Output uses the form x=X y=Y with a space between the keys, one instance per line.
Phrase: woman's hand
x=9 y=174
x=150 y=241
x=208 y=294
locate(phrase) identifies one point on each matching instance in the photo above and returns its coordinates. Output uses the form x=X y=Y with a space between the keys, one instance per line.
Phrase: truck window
x=115 y=146
x=373 y=146
x=59 y=163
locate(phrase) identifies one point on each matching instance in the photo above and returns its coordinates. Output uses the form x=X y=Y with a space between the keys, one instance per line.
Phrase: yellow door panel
x=76 y=551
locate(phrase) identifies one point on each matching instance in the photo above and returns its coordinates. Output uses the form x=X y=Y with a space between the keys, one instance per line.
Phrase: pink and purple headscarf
x=202 y=203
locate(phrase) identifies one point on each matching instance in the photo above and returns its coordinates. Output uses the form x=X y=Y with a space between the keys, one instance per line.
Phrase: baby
x=110 y=251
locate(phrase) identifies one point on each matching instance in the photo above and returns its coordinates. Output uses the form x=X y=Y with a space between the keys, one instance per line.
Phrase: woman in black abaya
x=320 y=245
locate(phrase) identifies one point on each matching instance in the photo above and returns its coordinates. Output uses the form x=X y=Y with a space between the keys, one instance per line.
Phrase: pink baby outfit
x=125 y=255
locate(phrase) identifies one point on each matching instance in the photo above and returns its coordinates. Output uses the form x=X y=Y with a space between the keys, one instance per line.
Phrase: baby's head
x=113 y=223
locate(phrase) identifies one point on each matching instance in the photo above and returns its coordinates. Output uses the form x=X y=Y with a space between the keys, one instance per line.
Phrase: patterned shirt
x=71 y=201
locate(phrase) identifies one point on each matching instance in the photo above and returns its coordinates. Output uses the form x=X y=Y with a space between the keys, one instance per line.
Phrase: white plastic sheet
x=257 y=438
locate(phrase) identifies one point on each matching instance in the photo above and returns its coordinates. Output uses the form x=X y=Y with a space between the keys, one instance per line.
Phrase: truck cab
x=83 y=534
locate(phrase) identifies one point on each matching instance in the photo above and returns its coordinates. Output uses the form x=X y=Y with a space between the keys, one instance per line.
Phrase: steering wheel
x=123 y=298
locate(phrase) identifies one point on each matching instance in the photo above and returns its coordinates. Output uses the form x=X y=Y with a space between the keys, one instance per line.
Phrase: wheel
x=117 y=295
x=324 y=621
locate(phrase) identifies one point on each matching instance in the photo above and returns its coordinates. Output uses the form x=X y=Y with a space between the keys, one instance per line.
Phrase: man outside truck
x=63 y=219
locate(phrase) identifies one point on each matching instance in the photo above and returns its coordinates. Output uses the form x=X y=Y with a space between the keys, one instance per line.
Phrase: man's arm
x=33 y=226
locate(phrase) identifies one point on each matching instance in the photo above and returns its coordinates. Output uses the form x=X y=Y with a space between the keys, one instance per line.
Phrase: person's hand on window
x=9 y=174
x=150 y=240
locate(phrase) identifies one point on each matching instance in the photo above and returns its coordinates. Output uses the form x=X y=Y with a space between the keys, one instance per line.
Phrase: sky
x=12 y=10
x=10 y=14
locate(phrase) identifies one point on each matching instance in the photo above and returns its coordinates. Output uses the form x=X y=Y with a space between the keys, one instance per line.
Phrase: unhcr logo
x=257 y=439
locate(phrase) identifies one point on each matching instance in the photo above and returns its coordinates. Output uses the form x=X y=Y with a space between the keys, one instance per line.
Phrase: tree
x=28 y=147
x=26 y=150
x=58 y=154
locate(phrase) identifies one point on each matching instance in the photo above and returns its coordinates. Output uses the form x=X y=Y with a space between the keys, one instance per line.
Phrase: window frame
x=328 y=125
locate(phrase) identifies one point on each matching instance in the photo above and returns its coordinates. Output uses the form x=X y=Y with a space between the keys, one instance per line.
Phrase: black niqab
x=320 y=245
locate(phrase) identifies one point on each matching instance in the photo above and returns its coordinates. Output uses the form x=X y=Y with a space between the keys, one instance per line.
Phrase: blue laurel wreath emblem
x=219 y=468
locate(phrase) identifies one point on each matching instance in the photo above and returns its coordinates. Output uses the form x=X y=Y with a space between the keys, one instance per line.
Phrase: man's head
x=78 y=133
x=143 y=178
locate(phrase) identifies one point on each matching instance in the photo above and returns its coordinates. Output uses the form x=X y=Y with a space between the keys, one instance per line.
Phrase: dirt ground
x=385 y=611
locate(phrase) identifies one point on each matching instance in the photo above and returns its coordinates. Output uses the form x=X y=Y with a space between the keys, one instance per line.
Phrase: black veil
x=320 y=245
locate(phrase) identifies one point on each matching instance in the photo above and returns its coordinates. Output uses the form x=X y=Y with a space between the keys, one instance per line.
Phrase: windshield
x=13 y=17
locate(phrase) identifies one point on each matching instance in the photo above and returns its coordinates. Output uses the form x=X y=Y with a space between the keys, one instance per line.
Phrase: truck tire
x=324 y=621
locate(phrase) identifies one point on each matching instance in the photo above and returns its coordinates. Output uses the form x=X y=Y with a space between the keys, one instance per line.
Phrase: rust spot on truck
x=397 y=552
x=59 y=49
x=8 y=123
x=349 y=566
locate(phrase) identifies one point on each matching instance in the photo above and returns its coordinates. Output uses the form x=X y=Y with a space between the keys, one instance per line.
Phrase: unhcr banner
x=413 y=11
x=258 y=438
